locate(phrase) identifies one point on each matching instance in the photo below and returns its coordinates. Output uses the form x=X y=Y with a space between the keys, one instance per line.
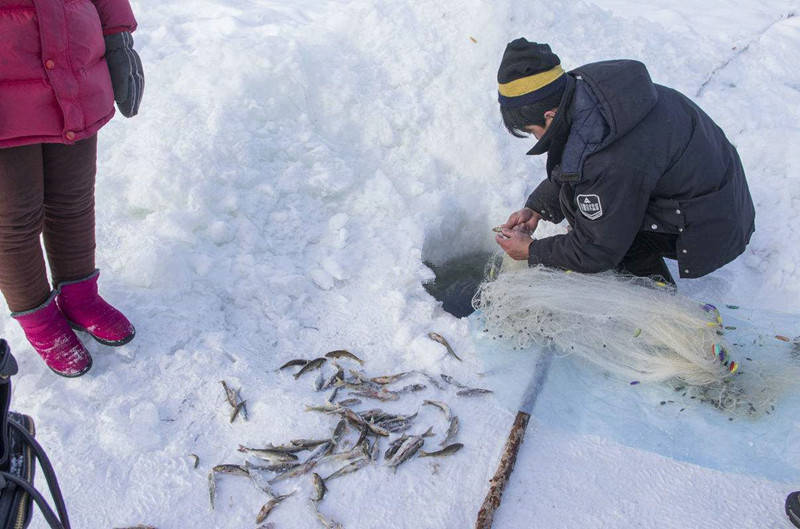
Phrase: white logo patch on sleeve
x=590 y=206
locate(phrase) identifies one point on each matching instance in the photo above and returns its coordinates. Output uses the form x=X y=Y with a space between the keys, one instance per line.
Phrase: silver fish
x=439 y=338
x=412 y=388
x=325 y=408
x=406 y=451
x=307 y=444
x=234 y=470
x=310 y=366
x=339 y=431
x=446 y=451
x=329 y=524
x=362 y=379
x=242 y=404
x=239 y=408
x=377 y=430
x=319 y=487
x=322 y=450
x=332 y=396
x=292 y=363
x=473 y=392
x=269 y=454
x=452 y=431
x=230 y=394
x=441 y=405
x=350 y=402
x=318 y=382
x=212 y=487
x=359 y=421
x=382 y=395
x=267 y=508
x=375 y=414
x=293 y=473
x=358 y=451
x=341 y=353
x=358 y=464
x=336 y=377
x=394 y=446
x=259 y=480
x=396 y=426
x=452 y=381
x=388 y=379
x=352 y=416
x=277 y=468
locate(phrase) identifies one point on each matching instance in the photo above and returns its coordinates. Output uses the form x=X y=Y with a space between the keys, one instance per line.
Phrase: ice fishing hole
x=457 y=281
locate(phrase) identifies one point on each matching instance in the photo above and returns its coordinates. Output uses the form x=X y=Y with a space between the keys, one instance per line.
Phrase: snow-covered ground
x=293 y=165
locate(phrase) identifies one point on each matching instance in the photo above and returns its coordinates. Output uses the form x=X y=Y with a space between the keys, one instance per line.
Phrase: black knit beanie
x=529 y=73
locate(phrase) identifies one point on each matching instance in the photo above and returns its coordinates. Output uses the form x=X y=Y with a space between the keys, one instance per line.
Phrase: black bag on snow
x=19 y=453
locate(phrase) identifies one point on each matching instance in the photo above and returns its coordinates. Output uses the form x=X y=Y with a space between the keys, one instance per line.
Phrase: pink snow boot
x=48 y=332
x=86 y=311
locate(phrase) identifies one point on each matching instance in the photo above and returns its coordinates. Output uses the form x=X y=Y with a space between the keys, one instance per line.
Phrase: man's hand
x=524 y=220
x=516 y=243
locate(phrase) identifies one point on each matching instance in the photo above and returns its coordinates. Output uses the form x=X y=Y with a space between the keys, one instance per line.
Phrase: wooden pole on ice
x=515 y=437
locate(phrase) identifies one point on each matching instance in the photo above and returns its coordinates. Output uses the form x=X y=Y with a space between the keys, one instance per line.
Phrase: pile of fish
x=355 y=441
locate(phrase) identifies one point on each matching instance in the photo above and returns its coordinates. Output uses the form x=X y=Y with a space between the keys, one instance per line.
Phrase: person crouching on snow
x=63 y=65
x=638 y=170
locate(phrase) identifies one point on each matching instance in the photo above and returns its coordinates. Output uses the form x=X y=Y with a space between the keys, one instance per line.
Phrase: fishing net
x=634 y=328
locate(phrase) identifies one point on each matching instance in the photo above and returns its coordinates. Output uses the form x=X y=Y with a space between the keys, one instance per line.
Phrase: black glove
x=127 y=76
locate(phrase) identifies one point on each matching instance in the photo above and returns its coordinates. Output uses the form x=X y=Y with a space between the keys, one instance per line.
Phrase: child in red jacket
x=63 y=66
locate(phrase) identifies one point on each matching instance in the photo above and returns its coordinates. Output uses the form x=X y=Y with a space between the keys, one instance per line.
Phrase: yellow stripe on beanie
x=526 y=85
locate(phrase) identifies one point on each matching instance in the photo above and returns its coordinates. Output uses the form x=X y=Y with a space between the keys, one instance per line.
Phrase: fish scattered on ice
x=269 y=454
x=358 y=464
x=441 y=405
x=473 y=392
x=341 y=353
x=452 y=430
x=406 y=450
x=310 y=366
x=436 y=337
x=230 y=394
x=388 y=379
x=267 y=508
x=235 y=470
x=212 y=487
x=446 y=451
x=292 y=363
x=299 y=470
x=319 y=487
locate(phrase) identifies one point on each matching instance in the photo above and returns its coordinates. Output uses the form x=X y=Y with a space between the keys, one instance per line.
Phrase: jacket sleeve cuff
x=544 y=201
x=116 y=16
x=532 y=256
x=119 y=29
x=539 y=208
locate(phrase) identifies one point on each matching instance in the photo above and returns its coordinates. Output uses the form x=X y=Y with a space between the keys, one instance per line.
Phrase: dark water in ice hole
x=457 y=281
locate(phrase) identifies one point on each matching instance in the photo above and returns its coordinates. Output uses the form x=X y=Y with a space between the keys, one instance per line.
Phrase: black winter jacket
x=640 y=157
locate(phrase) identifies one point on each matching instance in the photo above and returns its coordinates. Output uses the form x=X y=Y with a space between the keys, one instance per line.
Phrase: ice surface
x=293 y=165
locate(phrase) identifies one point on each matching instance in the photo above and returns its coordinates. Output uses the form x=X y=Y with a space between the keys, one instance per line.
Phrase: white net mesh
x=634 y=328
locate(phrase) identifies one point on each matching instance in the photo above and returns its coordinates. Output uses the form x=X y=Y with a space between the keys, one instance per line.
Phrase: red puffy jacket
x=54 y=81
